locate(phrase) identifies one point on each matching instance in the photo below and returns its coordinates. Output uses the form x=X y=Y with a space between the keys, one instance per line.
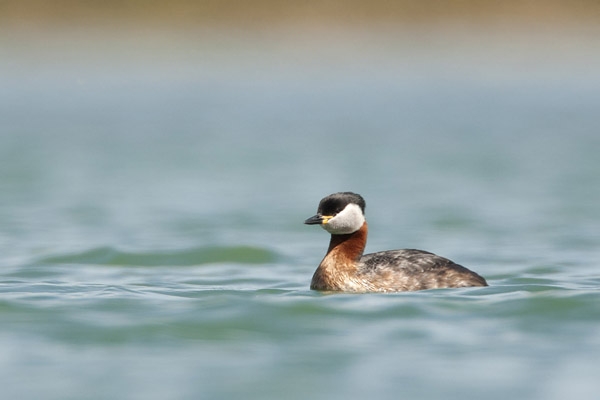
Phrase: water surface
x=152 y=198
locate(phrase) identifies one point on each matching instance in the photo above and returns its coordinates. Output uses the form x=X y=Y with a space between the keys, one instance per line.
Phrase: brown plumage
x=345 y=268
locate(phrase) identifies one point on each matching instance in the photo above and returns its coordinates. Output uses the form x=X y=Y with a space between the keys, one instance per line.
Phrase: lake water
x=153 y=189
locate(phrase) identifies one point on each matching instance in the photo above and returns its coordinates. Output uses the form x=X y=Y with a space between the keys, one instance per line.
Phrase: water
x=152 y=193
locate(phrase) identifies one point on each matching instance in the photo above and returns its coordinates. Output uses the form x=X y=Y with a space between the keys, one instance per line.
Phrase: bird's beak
x=318 y=220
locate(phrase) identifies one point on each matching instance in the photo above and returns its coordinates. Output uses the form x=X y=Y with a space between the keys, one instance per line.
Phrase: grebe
x=345 y=268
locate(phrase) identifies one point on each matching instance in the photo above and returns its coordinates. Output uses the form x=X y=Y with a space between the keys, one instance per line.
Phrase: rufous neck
x=351 y=245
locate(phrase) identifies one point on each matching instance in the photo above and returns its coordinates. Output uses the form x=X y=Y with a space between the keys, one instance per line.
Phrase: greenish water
x=151 y=208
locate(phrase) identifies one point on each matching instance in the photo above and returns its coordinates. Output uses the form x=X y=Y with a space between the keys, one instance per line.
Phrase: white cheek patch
x=349 y=220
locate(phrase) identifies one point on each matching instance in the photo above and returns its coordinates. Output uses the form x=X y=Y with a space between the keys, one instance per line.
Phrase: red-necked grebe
x=346 y=269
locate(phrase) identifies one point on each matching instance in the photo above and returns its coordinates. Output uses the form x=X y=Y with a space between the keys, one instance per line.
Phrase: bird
x=346 y=269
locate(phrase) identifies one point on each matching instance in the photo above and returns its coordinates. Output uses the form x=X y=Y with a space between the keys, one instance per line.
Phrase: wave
x=185 y=257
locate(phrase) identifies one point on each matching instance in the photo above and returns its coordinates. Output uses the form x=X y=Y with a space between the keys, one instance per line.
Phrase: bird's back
x=411 y=269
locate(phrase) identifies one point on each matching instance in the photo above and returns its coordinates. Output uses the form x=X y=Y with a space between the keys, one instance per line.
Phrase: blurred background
x=157 y=160
x=187 y=105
